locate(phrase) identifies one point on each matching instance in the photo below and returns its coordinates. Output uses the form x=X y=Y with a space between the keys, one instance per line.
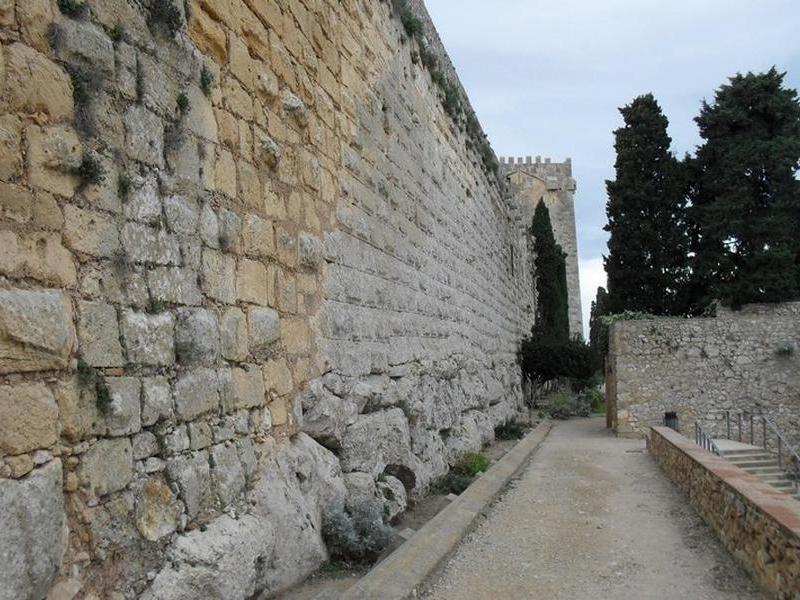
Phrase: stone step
x=755 y=463
x=762 y=471
x=736 y=453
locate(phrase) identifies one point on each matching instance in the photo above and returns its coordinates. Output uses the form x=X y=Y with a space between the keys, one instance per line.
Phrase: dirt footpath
x=591 y=517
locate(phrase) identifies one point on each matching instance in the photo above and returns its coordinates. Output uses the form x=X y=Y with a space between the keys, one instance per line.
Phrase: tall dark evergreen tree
x=745 y=196
x=646 y=264
x=552 y=309
x=598 y=332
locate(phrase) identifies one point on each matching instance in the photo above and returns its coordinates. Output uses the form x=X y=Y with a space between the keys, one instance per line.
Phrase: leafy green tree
x=647 y=260
x=745 y=194
x=552 y=310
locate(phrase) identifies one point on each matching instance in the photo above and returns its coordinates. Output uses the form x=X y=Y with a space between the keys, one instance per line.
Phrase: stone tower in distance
x=531 y=180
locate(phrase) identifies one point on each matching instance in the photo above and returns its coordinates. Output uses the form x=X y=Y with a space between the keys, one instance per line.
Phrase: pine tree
x=745 y=197
x=646 y=264
x=552 y=310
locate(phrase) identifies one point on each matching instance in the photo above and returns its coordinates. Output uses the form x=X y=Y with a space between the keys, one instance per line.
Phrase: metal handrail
x=737 y=429
x=703 y=439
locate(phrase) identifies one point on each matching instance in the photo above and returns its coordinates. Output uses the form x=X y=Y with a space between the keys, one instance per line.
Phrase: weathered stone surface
x=252 y=284
x=377 y=441
x=182 y=214
x=156 y=400
x=177 y=285
x=144 y=136
x=302 y=483
x=326 y=417
x=196 y=393
x=36 y=330
x=219 y=276
x=193 y=477
x=233 y=334
x=143 y=244
x=278 y=377
x=143 y=203
x=80 y=42
x=394 y=496
x=35 y=84
x=197 y=337
x=241 y=388
x=31 y=532
x=144 y=444
x=223 y=561
x=98 y=335
x=90 y=232
x=262 y=329
x=227 y=475
x=107 y=466
x=360 y=489
x=124 y=413
x=53 y=155
x=148 y=338
x=157 y=510
x=28 y=418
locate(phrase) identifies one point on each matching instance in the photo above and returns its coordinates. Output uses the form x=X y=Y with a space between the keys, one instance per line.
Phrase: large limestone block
x=197 y=337
x=93 y=233
x=149 y=338
x=263 y=330
x=53 y=155
x=301 y=485
x=227 y=474
x=196 y=393
x=222 y=561
x=193 y=477
x=81 y=42
x=31 y=532
x=157 y=510
x=98 y=334
x=107 y=466
x=241 y=388
x=379 y=440
x=35 y=84
x=326 y=417
x=36 y=330
x=28 y=418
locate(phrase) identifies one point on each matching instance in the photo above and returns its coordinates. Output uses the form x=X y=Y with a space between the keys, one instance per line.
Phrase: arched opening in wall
x=404 y=474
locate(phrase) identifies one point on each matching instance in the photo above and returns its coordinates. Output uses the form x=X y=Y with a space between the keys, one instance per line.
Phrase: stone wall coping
x=782 y=508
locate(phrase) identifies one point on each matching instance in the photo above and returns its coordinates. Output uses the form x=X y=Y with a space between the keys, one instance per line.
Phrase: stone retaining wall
x=758 y=524
x=746 y=360
x=250 y=268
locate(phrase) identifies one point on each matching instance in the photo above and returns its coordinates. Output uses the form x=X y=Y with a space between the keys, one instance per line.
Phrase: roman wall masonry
x=252 y=267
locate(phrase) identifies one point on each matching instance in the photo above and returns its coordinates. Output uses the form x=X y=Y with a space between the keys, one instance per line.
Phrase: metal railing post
x=780 y=461
x=752 y=431
x=764 y=427
x=739 y=422
x=728 y=422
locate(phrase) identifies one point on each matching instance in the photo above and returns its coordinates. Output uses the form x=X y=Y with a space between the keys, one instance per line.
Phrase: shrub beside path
x=591 y=517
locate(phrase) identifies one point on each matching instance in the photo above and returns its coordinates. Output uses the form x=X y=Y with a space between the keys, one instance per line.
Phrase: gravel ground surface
x=591 y=517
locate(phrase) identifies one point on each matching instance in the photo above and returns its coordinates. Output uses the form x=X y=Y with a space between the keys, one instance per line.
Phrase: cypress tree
x=552 y=310
x=647 y=260
x=745 y=197
x=598 y=332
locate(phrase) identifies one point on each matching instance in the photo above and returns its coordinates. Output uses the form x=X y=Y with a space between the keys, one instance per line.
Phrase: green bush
x=72 y=8
x=91 y=170
x=471 y=463
x=358 y=535
x=561 y=406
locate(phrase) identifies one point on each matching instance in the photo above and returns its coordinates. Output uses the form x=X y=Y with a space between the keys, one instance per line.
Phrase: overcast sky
x=547 y=77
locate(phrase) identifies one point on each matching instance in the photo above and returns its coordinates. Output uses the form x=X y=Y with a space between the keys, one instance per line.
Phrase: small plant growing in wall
x=91 y=379
x=183 y=105
x=91 y=170
x=206 y=80
x=123 y=186
x=786 y=349
x=118 y=32
x=165 y=14
x=73 y=8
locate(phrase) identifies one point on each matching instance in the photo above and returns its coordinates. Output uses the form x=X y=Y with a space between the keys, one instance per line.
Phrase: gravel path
x=591 y=517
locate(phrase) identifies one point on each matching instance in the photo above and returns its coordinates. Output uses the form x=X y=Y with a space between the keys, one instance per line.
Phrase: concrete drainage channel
x=404 y=573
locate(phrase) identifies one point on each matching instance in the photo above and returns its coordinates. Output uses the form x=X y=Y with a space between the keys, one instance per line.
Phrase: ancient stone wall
x=250 y=270
x=533 y=180
x=758 y=524
x=746 y=360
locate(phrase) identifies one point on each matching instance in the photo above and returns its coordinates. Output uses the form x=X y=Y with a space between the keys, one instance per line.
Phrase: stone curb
x=402 y=574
